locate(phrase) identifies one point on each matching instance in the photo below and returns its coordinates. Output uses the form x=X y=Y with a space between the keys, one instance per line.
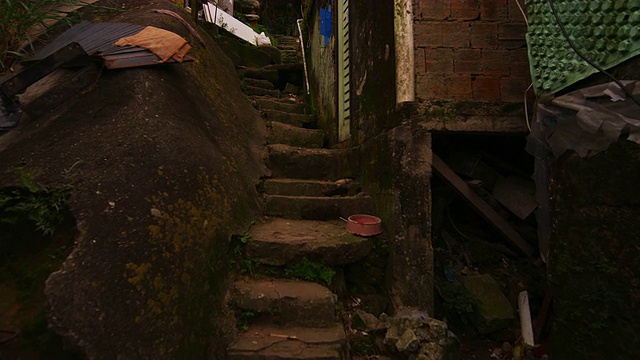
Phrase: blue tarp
x=325 y=25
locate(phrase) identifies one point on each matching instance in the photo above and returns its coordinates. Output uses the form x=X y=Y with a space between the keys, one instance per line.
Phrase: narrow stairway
x=309 y=189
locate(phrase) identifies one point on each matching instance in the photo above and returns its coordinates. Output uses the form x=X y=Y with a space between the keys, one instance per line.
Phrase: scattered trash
x=526 y=328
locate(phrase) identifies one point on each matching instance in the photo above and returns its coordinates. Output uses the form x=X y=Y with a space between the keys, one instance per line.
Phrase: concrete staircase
x=310 y=188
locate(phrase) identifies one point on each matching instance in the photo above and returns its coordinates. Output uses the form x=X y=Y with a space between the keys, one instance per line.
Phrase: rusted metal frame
x=484 y=209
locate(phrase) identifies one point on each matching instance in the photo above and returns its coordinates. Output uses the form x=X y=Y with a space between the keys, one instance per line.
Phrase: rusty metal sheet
x=94 y=38
x=98 y=40
x=135 y=59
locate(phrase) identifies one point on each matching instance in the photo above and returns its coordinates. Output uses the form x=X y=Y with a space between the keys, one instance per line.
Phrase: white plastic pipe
x=304 y=58
x=526 y=328
x=405 y=71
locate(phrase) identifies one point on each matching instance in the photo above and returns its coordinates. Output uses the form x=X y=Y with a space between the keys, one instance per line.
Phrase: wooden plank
x=484 y=209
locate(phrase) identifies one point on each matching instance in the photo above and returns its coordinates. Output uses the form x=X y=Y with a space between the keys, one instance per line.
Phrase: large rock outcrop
x=162 y=162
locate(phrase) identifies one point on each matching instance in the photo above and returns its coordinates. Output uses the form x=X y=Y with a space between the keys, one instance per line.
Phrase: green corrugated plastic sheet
x=607 y=32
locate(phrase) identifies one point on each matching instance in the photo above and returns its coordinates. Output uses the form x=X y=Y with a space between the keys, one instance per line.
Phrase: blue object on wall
x=325 y=25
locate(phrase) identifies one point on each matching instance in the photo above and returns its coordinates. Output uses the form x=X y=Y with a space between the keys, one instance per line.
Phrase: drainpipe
x=405 y=70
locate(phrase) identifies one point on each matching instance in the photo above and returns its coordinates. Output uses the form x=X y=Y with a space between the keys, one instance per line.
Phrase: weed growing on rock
x=43 y=208
x=311 y=271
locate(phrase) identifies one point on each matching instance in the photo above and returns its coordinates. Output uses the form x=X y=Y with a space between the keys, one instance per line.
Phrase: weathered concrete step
x=297 y=187
x=286 y=302
x=317 y=208
x=259 y=73
x=281 y=105
x=284 y=68
x=280 y=133
x=283 y=241
x=299 y=120
x=252 y=90
x=261 y=342
x=319 y=164
x=265 y=84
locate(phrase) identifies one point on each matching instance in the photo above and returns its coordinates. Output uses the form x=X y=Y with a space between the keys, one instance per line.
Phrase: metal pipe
x=304 y=58
x=405 y=70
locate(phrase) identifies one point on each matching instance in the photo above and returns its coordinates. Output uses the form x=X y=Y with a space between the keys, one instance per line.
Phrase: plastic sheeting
x=588 y=120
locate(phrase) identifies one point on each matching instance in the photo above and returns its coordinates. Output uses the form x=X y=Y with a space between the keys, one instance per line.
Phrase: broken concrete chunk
x=408 y=342
x=364 y=321
x=494 y=311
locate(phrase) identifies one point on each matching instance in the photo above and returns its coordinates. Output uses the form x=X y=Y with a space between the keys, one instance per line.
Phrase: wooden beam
x=484 y=209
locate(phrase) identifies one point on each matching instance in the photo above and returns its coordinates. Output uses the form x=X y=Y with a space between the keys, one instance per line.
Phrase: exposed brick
x=486 y=88
x=443 y=87
x=518 y=55
x=519 y=63
x=457 y=87
x=427 y=33
x=428 y=86
x=512 y=89
x=433 y=9
x=511 y=31
x=520 y=69
x=467 y=67
x=467 y=54
x=484 y=35
x=495 y=62
x=465 y=9
x=439 y=60
x=493 y=10
x=514 y=12
x=456 y=34
x=512 y=44
x=421 y=65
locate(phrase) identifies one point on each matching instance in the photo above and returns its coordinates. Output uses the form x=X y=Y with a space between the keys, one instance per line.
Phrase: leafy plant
x=44 y=208
x=311 y=271
x=19 y=19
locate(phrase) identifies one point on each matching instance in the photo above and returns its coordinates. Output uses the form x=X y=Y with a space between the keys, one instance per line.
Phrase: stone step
x=280 y=133
x=259 y=73
x=282 y=105
x=252 y=91
x=287 y=40
x=317 y=208
x=285 y=302
x=261 y=342
x=298 y=187
x=265 y=84
x=318 y=164
x=282 y=242
x=291 y=67
x=299 y=120
x=295 y=47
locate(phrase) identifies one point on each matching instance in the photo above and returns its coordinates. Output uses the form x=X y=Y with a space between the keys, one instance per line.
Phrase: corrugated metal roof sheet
x=98 y=39
x=94 y=38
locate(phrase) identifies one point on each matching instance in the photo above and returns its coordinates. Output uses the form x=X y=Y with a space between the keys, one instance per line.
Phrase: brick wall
x=470 y=50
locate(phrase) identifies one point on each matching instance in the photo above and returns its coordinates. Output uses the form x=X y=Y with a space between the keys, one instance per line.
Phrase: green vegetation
x=30 y=204
x=459 y=303
x=18 y=18
x=311 y=271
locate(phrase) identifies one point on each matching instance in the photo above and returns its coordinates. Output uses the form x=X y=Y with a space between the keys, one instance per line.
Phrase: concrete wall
x=373 y=95
x=322 y=70
x=594 y=255
x=470 y=50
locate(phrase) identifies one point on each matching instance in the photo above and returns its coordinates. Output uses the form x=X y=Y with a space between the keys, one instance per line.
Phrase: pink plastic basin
x=364 y=225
